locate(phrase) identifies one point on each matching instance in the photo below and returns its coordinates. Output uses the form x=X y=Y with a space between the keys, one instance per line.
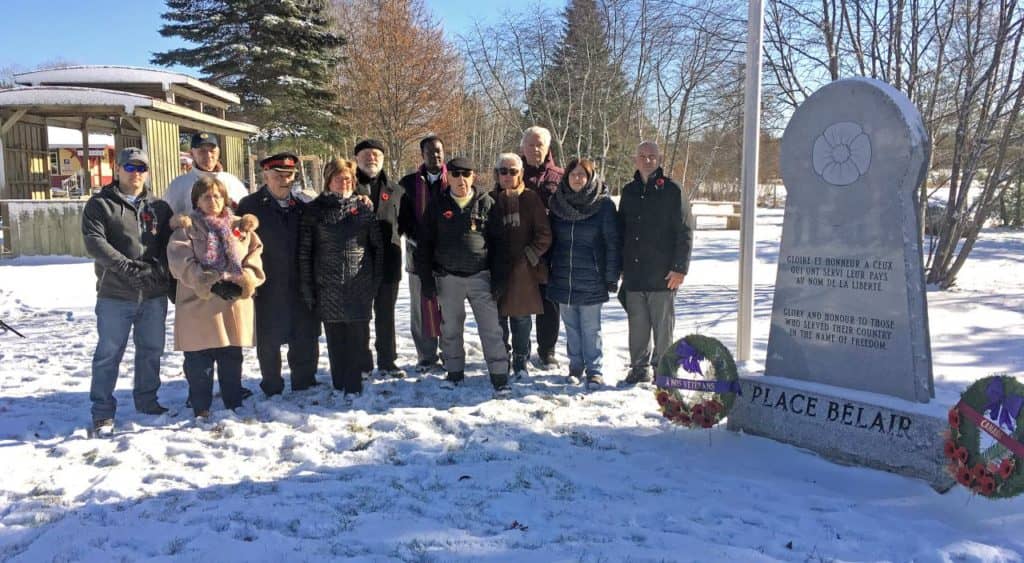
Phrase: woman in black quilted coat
x=340 y=266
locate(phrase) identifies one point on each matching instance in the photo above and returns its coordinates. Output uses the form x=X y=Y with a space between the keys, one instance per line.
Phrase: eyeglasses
x=135 y=168
x=460 y=173
x=507 y=171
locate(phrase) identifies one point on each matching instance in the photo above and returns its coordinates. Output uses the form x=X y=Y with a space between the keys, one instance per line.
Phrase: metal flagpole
x=748 y=198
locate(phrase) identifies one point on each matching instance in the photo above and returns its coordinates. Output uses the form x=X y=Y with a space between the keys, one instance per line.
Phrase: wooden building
x=140 y=107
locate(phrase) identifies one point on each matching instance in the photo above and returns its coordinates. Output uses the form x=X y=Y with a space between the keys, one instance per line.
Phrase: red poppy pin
x=354 y=211
x=236 y=232
x=147 y=216
x=291 y=202
x=448 y=214
x=659 y=182
x=385 y=196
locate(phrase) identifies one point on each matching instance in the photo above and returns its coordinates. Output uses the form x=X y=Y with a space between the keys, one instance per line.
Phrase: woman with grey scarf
x=586 y=262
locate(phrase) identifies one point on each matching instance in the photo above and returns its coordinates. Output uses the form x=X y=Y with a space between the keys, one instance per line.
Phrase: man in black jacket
x=453 y=259
x=126 y=232
x=386 y=198
x=419 y=189
x=657 y=234
x=281 y=315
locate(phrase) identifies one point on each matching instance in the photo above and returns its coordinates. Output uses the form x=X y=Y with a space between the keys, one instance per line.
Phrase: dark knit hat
x=368 y=144
x=460 y=163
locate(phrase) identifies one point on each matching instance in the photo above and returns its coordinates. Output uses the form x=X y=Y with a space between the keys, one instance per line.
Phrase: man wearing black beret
x=387 y=198
x=281 y=315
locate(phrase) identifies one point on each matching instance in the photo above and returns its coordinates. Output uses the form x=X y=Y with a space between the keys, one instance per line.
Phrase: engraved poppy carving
x=842 y=154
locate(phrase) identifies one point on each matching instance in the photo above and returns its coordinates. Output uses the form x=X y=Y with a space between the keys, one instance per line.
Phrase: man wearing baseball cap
x=205 y=153
x=126 y=231
x=282 y=317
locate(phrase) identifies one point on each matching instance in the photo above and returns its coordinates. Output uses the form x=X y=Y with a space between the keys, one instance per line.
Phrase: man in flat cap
x=386 y=198
x=126 y=231
x=281 y=315
x=205 y=162
x=453 y=259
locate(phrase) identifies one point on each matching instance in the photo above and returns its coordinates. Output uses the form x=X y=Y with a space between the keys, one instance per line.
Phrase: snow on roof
x=111 y=74
x=70 y=96
x=62 y=137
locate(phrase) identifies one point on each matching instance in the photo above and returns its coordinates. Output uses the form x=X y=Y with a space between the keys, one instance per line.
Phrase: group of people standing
x=270 y=268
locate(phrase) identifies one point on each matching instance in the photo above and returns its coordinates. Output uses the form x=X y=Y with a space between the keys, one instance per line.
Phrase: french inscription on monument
x=849 y=305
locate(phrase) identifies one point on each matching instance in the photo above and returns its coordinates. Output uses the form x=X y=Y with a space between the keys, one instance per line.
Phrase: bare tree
x=400 y=80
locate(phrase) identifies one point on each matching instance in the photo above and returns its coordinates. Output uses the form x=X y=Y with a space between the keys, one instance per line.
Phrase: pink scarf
x=221 y=253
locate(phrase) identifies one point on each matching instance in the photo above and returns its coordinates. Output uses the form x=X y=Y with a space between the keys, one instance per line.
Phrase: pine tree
x=582 y=95
x=279 y=57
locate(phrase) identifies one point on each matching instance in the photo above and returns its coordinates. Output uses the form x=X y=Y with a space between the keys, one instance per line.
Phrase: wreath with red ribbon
x=708 y=392
x=984 y=443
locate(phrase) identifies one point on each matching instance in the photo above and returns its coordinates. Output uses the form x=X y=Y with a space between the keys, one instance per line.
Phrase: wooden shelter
x=141 y=107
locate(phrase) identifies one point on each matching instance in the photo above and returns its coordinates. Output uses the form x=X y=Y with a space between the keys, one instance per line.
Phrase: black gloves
x=228 y=291
x=613 y=287
x=137 y=272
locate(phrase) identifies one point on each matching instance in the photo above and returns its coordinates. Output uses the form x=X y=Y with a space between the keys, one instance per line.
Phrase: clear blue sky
x=124 y=32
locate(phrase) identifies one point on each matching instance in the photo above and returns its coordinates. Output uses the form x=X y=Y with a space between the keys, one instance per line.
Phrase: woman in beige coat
x=216 y=258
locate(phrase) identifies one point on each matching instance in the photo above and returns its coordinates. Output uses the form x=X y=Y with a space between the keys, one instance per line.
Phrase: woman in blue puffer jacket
x=585 y=264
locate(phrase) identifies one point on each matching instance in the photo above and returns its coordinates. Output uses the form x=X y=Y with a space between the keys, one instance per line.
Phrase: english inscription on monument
x=849 y=305
x=849 y=318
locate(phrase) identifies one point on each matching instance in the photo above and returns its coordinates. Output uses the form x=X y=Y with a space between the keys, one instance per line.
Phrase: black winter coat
x=279 y=305
x=387 y=200
x=116 y=232
x=408 y=222
x=340 y=258
x=454 y=240
x=657 y=232
x=585 y=257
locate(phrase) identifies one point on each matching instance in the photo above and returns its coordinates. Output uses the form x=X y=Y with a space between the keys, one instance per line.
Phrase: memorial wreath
x=709 y=389
x=983 y=444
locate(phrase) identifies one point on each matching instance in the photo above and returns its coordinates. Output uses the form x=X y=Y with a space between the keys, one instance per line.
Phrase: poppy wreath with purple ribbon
x=985 y=441
x=697 y=382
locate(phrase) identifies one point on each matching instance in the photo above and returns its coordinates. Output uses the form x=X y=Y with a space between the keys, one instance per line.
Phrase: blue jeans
x=583 y=337
x=114 y=321
x=519 y=329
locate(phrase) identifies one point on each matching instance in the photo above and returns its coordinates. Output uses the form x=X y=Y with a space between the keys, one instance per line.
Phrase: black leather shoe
x=156 y=409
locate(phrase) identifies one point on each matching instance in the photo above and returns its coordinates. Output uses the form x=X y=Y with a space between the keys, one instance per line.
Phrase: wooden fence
x=43 y=227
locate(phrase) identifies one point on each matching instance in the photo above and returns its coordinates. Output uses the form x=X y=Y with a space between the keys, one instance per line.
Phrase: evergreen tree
x=278 y=56
x=582 y=95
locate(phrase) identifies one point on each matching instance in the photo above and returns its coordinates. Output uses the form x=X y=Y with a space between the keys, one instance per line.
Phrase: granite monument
x=848 y=371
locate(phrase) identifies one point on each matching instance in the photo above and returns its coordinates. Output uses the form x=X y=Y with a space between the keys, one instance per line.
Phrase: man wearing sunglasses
x=126 y=231
x=205 y=153
x=453 y=260
x=541 y=175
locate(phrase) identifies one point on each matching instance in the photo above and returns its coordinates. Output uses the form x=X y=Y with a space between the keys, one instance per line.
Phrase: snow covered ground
x=413 y=472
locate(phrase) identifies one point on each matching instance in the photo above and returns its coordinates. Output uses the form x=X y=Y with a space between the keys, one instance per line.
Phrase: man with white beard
x=387 y=198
